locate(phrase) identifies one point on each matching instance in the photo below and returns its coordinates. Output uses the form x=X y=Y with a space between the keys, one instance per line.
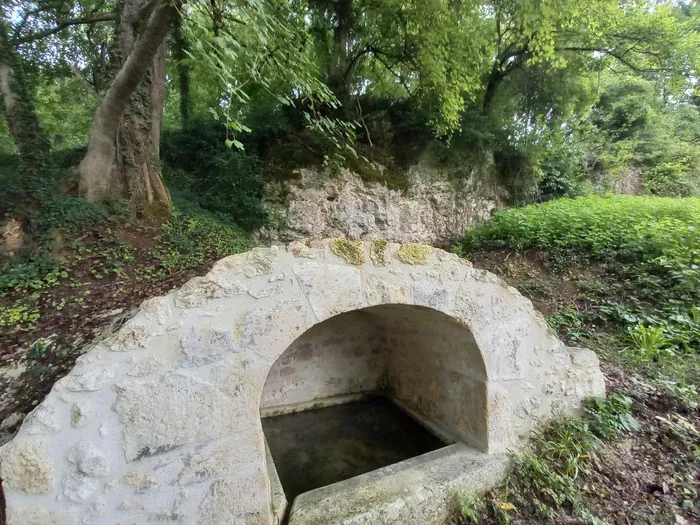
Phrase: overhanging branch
x=91 y=19
x=611 y=53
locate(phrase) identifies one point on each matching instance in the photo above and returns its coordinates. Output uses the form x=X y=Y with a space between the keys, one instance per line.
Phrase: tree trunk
x=494 y=80
x=122 y=157
x=180 y=48
x=23 y=124
x=339 y=77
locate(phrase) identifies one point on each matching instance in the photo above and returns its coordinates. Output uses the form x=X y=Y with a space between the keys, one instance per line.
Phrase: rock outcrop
x=433 y=209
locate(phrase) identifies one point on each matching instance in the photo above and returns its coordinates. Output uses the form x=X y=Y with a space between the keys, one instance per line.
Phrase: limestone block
x=431 y=296
x=500 y=428
x=147 y=366
x=261 y=261
x=43 y=419
x=385 y=290
x=26 y=466
x=232 y=265
x=88 y=379
x=202 y=343
x=331 y=288
x=379 y=252
x=224 y=506
x=157 y=309
x=351 y=251
x=176 y=409
x=131 y=336
x=268 y=330
x=39 y=516
x=88 y=459
x=220 y=458
x=77 y=487
x=266 y=291
x=301 y=249
x=198 y=291
x=414 y=253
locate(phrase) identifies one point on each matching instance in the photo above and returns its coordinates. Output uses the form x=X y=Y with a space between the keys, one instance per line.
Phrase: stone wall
x=335 y=358
x=434 y=209
x=435 y=370
x=422 y=359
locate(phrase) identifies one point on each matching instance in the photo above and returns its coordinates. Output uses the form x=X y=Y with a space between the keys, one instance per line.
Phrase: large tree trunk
x=23 y=124
x=122 y=157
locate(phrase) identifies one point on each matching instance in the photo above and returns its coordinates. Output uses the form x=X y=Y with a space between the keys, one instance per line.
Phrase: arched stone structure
x=425 y=360
x=161 y=422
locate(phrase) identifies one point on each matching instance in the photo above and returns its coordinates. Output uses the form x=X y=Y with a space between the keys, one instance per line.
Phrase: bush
x=625 y=227
x=224 y=180
x=650 y=247
x=193 y=235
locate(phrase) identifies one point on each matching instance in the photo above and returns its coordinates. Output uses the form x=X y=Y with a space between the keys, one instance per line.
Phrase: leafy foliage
x=193 y=236
x=650 y=247
x=223 y=179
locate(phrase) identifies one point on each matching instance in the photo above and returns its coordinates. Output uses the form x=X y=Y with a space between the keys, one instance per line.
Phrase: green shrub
x=193 y=235
x=223 y=180
x=597 y=227
x=650 y=247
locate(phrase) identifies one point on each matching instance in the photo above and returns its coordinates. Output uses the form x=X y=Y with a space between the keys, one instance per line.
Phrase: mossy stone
x=352 y=251
x=414 y=253
x=379 y=253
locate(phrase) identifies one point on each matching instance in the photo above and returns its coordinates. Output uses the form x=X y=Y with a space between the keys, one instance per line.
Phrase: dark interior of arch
x=369 y=388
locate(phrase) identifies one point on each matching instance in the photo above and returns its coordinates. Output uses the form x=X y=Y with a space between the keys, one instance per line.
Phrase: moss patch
x=391 y=176
x=352 y=251
x=414 y=253
x=379 y=253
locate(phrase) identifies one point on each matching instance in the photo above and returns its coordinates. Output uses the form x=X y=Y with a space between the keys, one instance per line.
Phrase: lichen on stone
x=352 y=251
x=414 y=253
x=379 y=252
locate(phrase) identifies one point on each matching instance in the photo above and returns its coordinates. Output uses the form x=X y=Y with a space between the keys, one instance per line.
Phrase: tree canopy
x=522 y=80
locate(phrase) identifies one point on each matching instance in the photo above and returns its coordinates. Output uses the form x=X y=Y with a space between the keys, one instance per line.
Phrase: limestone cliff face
x=433 y=209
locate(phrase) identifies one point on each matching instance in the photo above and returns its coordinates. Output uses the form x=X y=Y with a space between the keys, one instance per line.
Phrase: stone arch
x=162 y=418
x=423 y=359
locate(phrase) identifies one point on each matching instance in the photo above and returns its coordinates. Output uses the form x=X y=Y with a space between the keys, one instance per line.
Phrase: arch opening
x=369 y=388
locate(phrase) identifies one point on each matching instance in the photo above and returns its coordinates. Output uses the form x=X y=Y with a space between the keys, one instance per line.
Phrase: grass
x=545 y=477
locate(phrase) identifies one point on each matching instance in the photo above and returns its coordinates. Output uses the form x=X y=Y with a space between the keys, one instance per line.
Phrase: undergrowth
x=645 y=312
x=549 y=475
x=193 y=235
x=92 y=251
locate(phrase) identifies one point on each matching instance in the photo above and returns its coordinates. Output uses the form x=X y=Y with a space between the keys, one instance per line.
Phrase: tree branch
x=91 y=19
x=25 y=19
x=613 y=54
x=389 y=68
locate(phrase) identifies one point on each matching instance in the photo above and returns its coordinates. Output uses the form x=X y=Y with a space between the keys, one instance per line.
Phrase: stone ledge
x=418 y=490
